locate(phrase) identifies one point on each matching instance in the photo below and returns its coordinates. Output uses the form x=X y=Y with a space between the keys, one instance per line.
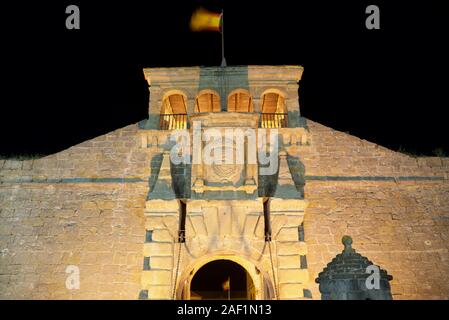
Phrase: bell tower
x=226 y=185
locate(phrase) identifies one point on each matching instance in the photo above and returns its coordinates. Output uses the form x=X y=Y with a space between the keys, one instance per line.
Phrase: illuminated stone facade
x=138 y=226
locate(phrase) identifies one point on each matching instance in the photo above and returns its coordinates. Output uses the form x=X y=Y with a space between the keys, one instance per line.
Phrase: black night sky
x=61 y=87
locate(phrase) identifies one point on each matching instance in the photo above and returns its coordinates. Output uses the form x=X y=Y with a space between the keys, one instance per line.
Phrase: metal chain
x=276 y=289
x=177 y=270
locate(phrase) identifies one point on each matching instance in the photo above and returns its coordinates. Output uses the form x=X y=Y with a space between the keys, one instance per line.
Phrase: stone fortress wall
x=82 y=206
x=395 y=207
x=85 y=206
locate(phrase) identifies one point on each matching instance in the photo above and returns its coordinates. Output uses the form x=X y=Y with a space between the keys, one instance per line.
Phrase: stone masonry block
x=291 y=247
x=158 y=249
x=154 y=222
x=156 y=277
x=287 y=234
x=159 y=292
x=293 y=275
x=162 y=262
x=291 y=290
x=290 y=261
x=162 y=235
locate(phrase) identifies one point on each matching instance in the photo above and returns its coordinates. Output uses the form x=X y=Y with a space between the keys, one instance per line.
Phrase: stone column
x=287 y=210
x=292 y=105
x=162 y=223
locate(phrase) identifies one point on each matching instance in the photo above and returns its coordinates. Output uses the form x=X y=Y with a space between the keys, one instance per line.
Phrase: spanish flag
x=204 y=20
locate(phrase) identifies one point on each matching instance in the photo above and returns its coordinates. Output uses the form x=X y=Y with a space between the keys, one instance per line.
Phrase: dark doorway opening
x=222 y=280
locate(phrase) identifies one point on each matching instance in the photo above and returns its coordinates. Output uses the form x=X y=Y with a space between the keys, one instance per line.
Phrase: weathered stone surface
x=162 y=262
x=156 y=277
x=158 y=249
x=288 y=234
x=291 y=290
x=290 y=261
x=293 y=275
x=160 y=292
x=291 y=247
x=163 y=235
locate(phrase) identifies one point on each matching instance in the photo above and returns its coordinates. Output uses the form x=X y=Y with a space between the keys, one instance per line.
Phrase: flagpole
x=223 y=60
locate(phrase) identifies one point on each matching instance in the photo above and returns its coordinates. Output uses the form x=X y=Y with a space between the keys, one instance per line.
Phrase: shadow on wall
x=267 y=183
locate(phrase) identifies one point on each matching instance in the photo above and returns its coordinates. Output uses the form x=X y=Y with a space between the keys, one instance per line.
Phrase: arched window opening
x=274 y=113
x=207 y=101
x=240 y=101
x=173 y=113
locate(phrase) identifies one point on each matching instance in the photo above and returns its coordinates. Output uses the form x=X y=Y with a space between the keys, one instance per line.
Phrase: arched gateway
x=224 y=278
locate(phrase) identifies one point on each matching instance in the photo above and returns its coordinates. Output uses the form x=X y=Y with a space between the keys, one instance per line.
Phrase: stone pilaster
x=287 y=210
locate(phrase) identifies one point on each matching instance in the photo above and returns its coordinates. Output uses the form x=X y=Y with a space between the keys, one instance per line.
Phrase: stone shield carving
x=225 y=172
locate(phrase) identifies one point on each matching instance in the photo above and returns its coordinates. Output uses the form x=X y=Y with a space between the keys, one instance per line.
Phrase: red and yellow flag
x=204 y=20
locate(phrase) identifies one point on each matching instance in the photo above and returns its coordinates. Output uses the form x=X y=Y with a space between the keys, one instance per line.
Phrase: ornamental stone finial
x=347 y=242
